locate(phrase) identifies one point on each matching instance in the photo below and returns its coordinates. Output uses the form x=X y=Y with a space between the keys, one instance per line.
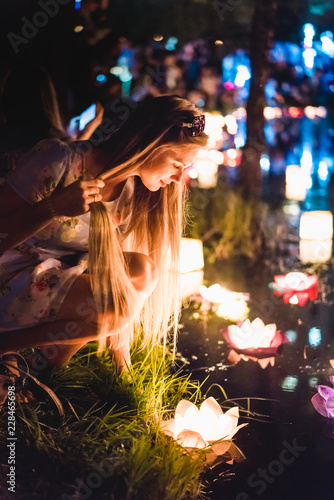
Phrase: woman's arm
x=19 y=220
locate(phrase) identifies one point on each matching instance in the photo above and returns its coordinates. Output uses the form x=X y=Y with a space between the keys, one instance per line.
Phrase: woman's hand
x=76 y=198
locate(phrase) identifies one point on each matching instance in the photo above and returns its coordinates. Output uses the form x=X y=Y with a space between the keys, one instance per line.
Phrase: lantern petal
x=168 y=427
x=236 y=453
x=190 y=439
x=257 y=323
x=233 y=356
x=212 y=405
x=230 y=436
x=325 y=392
x=221 y=448
x=321 y=406
x=233 y=412
x=264 y=362
x=183 y=406
x=226 y=425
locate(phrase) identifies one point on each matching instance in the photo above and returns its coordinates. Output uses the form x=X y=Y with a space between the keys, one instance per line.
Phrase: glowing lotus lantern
x=296 y=288
x=316 y=233
x=191 y=266
x=227 y=304
x=295 y=183
x=323 y=402
x=254 y=340
x=195 y=428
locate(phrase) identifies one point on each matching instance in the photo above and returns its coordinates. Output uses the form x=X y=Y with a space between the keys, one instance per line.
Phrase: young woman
x=90 y=236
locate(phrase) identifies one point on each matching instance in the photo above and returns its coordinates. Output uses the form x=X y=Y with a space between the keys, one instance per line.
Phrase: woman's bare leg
x=77 y=320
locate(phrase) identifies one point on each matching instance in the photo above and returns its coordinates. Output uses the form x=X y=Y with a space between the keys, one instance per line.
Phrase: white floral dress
x=36 y=275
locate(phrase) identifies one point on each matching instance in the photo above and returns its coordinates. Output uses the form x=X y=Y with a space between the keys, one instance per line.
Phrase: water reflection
x=290 y=383
x=314 y=336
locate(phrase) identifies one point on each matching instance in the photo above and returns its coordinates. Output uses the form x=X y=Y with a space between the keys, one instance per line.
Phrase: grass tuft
x=110 y=445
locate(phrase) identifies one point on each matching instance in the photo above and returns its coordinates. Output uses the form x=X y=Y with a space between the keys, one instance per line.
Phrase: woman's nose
x=177 y=177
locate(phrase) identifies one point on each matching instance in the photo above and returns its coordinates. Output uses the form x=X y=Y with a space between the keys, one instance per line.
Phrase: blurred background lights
x=214 y=128
x=314 y=337
x=306 y=161
x=290 y=383
x=309 y=30
x=101 y=78
x=327 y=43
x=232 y=154
x=219 y=42
x=158 y=38
x=265 y=163
x=231 y=124
x=291 y=335
x=116 y=70
x=216 y=156
x=309 y=55
x=313 y=381
x=243 y=74
x=171 y=43
x=192 y=172
x=323 y=171
x=78 y=29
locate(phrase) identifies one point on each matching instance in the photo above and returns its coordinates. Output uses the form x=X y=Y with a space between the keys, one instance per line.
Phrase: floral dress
x=36 y=275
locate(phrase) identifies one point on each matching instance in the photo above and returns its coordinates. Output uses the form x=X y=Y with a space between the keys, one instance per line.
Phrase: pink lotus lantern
x=254 y=341
x=296 y=288
x=208 y=427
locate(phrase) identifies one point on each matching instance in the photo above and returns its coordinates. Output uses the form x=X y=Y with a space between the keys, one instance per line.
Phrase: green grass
x=110 y=445
x=228 y=225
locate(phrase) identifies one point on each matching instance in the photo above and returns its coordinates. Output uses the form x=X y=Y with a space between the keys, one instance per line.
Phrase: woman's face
x=166 y=167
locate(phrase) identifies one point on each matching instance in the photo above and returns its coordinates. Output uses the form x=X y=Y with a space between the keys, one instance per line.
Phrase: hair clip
x=197 y=125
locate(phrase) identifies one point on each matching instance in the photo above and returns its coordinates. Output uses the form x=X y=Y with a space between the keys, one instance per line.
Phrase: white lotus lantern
x=316 y=233
x=195 y=428
x=295 y=183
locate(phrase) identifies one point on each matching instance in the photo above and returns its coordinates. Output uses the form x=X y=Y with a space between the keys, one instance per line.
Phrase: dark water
x=306 y=472
x=289 y=451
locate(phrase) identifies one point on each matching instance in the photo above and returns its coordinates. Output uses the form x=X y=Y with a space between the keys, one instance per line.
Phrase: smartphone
x=79 y=122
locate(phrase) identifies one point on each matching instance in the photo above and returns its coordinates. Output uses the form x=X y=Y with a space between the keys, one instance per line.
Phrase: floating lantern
x=195 y=428
x=323 y=402
x=191 y=255
x=254 y=340
x=295 y=183
x=296 y=288
x=316 y=233
x=191 y=266
x=190 y=283
x=228 y=305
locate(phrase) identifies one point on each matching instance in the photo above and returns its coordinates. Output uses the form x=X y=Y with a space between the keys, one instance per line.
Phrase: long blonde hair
x=156 y=224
